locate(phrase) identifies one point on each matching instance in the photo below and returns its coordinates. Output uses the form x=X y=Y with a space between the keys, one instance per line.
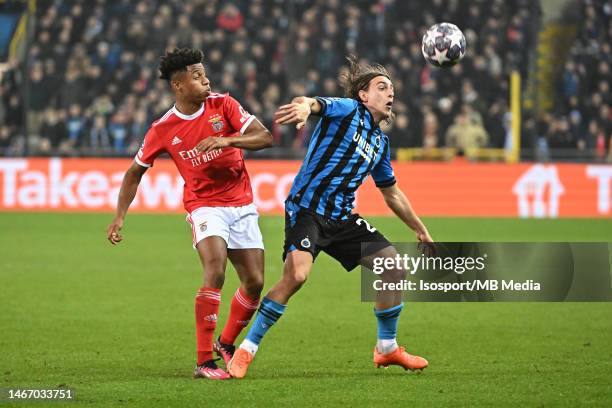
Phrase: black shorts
x=305 y=230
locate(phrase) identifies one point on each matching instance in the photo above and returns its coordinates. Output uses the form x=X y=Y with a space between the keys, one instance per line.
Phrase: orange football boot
x=401 y=358
x=239 y=364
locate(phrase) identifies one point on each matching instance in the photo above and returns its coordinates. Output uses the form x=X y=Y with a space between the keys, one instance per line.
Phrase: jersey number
x=243 y=113
x=361 y=221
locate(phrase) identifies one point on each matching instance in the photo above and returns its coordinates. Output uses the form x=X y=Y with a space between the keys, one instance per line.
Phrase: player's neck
x=187 y=108
x=377 y=117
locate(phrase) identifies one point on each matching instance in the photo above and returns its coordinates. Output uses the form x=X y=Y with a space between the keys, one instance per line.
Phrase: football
x=443 y=45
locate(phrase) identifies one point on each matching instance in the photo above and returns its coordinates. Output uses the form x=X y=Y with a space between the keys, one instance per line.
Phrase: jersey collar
x=188 y=117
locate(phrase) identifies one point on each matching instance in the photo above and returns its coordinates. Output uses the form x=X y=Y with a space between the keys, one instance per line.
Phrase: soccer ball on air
x=443 y=45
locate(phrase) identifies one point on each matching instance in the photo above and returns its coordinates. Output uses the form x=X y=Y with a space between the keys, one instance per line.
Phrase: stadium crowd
x=93 y=86
x=583 y=118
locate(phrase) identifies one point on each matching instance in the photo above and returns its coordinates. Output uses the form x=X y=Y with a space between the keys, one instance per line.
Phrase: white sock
x=249 y=346
x=385 y=346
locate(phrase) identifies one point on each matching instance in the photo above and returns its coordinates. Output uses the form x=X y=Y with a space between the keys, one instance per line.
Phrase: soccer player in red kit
x=203 y=134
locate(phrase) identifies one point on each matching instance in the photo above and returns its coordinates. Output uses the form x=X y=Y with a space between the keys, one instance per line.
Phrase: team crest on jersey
x=203 y=226
x=378 y=141
x=305 y=243
x=217 y=122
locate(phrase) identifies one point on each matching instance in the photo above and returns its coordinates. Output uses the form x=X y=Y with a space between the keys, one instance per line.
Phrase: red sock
x=241 y=311
x=206 y=311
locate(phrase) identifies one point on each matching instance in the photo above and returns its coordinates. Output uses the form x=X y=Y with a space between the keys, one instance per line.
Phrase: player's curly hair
x=359 y=76
x=177 y=60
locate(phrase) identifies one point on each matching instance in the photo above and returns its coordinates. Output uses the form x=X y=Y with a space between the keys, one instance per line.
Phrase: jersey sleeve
x=336 y=107
x=151 y=148
x=237 y=117
x=382 y=173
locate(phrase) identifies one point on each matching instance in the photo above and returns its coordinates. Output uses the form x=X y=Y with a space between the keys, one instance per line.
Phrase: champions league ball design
x=443 y=45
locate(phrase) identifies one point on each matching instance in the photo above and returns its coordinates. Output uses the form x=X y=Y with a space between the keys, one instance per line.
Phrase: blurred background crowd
x=92 y=87
x=582 y=118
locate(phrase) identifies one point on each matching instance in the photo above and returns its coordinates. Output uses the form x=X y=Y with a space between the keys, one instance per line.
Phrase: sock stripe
x=209 y=293
x=269 y=315
x=270 y=311
x=245 y=298
x=217 y=298
x=249 y=304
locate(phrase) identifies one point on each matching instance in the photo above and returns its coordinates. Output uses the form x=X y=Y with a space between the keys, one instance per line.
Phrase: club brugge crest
x=378 y=141
x=217 y=122
x=305 y=243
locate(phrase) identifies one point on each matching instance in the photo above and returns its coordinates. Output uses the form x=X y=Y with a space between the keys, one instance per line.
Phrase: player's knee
x=297 y=278
x=394 y=275
x=253 y=286
x=214 y=273
x=213 y=280
x=215 y=264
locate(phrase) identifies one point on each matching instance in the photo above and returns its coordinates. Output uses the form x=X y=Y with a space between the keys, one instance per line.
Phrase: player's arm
x=397 y=201
x=255 y=137
x=298 y=111
x=129 y=186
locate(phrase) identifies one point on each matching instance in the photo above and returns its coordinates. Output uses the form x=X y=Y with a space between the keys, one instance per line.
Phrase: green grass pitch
x=116 y=324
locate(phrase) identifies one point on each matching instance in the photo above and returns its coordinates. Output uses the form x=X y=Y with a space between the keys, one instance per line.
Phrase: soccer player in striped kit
x=345 y=148
x=204 y=133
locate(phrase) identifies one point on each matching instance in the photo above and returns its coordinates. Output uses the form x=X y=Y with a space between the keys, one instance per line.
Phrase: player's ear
x=176 y=81
x=363 y=95
x=175 y=84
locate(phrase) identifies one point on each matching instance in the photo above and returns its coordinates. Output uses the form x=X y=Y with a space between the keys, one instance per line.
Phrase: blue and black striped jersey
x=345 y=147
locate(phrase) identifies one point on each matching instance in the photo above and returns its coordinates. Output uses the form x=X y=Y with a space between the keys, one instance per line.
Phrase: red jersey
x=214 y=179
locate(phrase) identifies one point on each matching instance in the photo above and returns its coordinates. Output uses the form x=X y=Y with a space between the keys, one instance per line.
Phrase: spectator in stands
x=118 y=131
x=53 y=131
x=466 y=133
x=99 y=137
x=75 y=124
x=430 y=130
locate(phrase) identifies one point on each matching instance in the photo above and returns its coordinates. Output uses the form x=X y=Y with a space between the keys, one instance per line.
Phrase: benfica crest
x=217 y=122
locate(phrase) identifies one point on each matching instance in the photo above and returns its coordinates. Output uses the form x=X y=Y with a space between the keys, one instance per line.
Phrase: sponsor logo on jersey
x=198 y=158
x=305 y=243
x=364 y=148
x=176 y=140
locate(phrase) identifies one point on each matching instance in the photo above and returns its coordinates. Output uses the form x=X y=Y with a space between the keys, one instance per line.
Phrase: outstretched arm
x=396 y=200
x=255 y=137
x=129 y=186
x=297 y=111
